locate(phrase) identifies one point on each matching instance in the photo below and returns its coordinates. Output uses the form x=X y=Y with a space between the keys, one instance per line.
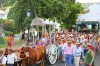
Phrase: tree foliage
x=1 y=2
x=1 y=21
x=53 y=9
x=75 y=10
x=9 y=26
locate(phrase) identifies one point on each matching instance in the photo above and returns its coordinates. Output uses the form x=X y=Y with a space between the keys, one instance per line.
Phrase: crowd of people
x=80 y=48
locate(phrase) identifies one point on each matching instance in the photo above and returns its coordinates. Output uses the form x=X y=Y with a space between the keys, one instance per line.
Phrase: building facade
x=3 y=14
x=89 y=20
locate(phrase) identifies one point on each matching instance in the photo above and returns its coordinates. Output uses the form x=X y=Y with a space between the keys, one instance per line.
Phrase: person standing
x=63 y=45
x=90 y=56
x=69 y=53
x=59 y=51
x=23 y=37
x=12 y=42
x=94 y=44
x=11 y=58
x=9 y=39
x=3 y=59
x=77 y=54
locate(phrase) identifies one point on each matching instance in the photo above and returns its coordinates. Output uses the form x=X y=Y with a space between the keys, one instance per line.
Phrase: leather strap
x=37 y=55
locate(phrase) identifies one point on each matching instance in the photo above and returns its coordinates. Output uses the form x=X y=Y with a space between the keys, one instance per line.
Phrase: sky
x=88 y=1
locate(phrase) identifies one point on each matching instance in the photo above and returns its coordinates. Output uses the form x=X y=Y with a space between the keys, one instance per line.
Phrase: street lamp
x=28 y=15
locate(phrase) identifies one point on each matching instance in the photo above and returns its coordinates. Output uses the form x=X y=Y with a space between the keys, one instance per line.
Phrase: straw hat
x=88 y=44
x=69 y=41
x=73 y=40
x=77 y=43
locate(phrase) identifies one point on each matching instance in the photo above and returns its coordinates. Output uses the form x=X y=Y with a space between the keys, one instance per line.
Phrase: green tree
x=2 y=20
x=39 y=8
x=53 y=9
x=9 y=26
x=1 y=2
x=75 y=10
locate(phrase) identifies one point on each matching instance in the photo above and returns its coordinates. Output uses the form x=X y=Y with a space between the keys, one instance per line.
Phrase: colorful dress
x=13 y=42
x=9 y=39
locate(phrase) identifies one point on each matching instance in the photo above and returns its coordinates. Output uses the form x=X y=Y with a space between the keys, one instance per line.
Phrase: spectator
x=69 y=53
x=90 y=55
x=3 y=59
x=23 y=37
x=11 y=58
x=9 y=39
x=77 y=54
x=12 y=42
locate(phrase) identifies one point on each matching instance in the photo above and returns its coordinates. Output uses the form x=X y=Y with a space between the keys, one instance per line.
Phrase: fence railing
x=2 y=40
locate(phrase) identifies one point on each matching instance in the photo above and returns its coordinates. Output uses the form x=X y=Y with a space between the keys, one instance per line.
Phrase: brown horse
x=35 y=55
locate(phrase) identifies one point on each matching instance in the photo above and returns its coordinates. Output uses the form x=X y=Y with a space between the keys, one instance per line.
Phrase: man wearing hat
x=69 y=53
x=77 y=53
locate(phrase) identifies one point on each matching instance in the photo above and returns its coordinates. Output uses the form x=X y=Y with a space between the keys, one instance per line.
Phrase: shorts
x=59 y=51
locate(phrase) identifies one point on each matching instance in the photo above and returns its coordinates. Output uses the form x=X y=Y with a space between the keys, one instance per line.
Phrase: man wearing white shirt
x=77 y=54
x=63 y=46
x=3 y=59
x=11 y=58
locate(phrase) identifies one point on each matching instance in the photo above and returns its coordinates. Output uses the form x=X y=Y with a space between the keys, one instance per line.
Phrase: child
x=9 y=39
x=12 y=42
x=59 y=51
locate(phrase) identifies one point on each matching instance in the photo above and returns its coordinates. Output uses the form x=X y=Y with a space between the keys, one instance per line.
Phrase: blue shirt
x=77 y=51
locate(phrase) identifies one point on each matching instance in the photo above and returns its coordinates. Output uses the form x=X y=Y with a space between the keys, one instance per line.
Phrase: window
x=2 y=15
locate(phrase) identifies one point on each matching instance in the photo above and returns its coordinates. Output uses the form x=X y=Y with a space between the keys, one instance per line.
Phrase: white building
x=90 y=18
x=3 y=14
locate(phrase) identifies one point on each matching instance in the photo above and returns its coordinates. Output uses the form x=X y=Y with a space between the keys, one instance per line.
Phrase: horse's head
x=25 y=49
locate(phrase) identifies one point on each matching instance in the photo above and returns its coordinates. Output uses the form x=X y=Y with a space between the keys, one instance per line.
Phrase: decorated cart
x=47 y=38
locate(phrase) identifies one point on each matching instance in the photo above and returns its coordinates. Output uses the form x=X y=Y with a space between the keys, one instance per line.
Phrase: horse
x=35 y=55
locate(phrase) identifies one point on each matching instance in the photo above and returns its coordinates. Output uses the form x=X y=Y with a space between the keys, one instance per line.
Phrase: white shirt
x=11 y=58
x=63 y=36
x=4 y=59
x=77 y=51
x=63 y=46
